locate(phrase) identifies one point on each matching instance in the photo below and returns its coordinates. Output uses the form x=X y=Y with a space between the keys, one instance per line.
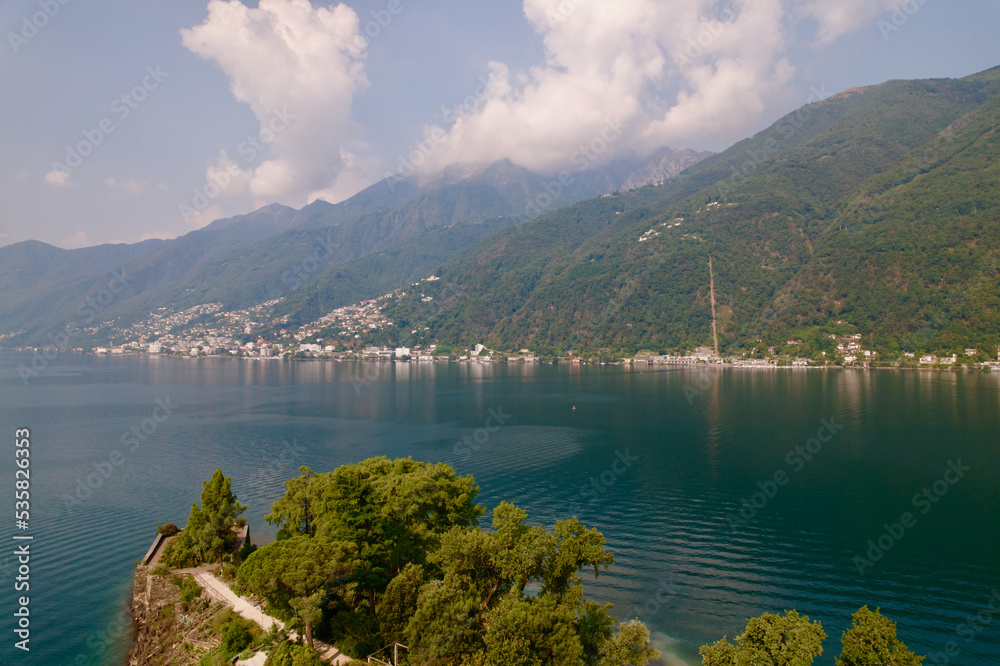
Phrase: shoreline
x=981 y=367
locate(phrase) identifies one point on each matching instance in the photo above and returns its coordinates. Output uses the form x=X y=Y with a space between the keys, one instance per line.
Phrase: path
x=219 y=591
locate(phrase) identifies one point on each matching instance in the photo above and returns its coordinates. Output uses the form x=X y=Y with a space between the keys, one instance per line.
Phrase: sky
x=123 y=121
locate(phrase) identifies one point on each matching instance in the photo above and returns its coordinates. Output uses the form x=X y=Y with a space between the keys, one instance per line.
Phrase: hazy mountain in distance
x=249 y=259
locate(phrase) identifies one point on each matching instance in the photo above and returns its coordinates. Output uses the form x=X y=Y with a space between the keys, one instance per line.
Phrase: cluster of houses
x=703 y=355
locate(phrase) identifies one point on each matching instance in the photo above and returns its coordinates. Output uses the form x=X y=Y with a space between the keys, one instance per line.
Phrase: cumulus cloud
x=299 y=68
x=57 y=178
x=623 y=76
x=839 y=17
x=204 y=217
x=130 y=186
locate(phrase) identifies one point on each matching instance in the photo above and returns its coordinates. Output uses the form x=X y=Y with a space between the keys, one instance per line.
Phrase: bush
x=190 y=591
x=227 y=572
x=177 y=556
x=289 y=654
x=246 y=551
x=168 y=530
x=235 y=638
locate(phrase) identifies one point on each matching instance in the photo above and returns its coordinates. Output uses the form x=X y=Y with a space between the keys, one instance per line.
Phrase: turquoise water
x=660 y=460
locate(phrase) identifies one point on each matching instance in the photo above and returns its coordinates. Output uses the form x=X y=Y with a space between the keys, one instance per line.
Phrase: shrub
x=190 y=591
x=168 y=530
x=235 y=638
x=289 y=654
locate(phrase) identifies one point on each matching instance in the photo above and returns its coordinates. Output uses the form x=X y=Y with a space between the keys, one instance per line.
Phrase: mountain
x=405 y=227
x=662 y=166
x=877 y=208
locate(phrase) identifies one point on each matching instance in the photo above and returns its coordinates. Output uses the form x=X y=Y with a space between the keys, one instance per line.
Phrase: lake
x=723 y=493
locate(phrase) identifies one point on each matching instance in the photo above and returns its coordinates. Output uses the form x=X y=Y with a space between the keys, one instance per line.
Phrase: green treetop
x=209 y=535
x=479 y=612
x=871 y=641
x=394 y=510
x=293 y=574
x=769 y=640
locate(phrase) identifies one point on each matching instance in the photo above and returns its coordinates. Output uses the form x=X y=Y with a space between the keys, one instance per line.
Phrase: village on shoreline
x=362 y=332
x=479 y=354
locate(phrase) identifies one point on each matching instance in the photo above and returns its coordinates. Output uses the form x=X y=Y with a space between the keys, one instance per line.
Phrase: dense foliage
x=388 y=551
x=871 y=641
x=289 y=654
x=789 y=640
x=209 y=535
x=792 y=640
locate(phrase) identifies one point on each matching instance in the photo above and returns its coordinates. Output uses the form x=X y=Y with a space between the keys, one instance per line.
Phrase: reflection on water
x=702 y=440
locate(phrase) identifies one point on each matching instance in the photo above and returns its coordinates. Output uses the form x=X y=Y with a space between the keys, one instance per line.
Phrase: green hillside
x=877 y=207
x=322 y=256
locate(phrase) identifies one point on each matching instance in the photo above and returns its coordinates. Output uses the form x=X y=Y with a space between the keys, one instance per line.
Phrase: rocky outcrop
x=166 y=634
x=661 y=166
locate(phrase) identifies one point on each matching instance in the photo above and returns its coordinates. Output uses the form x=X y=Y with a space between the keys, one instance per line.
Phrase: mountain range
x=393 y=232
x=873 y=212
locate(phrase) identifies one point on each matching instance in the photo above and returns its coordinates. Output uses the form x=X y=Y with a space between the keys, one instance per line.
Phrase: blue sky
x=189 y=111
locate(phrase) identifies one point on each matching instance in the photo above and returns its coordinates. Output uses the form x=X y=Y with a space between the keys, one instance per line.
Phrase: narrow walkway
x=219 y=591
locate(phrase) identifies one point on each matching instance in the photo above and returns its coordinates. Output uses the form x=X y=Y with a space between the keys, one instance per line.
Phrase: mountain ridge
x=637 y=277
x=245 y=260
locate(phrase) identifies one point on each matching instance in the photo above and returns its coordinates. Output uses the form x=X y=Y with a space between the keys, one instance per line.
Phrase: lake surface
x=660 y=460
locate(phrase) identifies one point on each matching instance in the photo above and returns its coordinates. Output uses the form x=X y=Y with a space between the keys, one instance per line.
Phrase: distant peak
x=851 y=92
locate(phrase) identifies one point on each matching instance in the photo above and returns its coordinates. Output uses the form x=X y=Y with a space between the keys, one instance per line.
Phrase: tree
x=209 y=534
x=871 y=641
x=478 y=610
x=770 y=639
x=294 y=574
x=399 y=603
x=395 y=511
x=630 y=645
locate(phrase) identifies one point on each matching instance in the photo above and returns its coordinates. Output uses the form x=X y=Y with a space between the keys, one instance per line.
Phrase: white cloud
x=299 y=68
x=77 y=240
x=839 y=17
x=232 y=181
x=204 y=217
x=57 y=178
x=670 y=72
x=130 y=186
